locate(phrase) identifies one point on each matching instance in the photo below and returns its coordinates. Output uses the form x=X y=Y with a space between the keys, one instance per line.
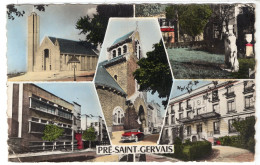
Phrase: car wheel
x=136 y=138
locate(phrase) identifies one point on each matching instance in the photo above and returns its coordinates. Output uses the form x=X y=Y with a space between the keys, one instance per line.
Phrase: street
x=150 y=139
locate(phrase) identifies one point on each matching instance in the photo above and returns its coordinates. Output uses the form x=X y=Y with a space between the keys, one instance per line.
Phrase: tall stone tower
x=33 y=40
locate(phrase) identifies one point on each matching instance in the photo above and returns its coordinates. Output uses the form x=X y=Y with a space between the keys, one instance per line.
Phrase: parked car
x=132 y=135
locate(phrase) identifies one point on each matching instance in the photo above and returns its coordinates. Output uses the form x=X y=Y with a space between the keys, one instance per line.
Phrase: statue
x=231 y=51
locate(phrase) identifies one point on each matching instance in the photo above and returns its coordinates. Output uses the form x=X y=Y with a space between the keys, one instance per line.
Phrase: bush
x=191 y=150
x=245 y=139
x=244 y=65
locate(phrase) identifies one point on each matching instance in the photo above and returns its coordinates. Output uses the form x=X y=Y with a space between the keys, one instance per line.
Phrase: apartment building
x=30 y=108
x=209 y=111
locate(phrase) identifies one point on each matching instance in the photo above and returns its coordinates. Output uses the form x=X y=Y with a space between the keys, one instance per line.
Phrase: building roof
x=123 y=38
x=103 y=78
x=74 y=47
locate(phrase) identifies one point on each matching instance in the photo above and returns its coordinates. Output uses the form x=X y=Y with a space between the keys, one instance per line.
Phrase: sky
x=57 y=21
x=150 y=34
x=82 y=93
x=175 y=92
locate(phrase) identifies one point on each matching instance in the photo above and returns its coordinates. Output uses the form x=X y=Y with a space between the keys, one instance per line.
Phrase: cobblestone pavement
x=148 y=139
x=229 y=154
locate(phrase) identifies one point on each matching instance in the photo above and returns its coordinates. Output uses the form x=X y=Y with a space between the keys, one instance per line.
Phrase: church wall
x=119 y=70
x=53 y=60
x=109 y=100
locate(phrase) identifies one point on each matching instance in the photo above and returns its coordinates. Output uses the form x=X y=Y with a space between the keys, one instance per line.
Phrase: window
x=35 y=119
x=166 y=120
x=189 y=113
x=115 y=77
x=216 y=108
x=43 y=121
x=46 y=53
x=231 y=105
x=172 y=109
x=231 y=128
x=180 y=107
x=114 y=53
x=249 y=101
x=199 y=128
x=215 y=96
x=216 y=127
x=124 y=48
x=173 y=119
x=119 y=51
x=188 y=130
x=198 y=111
x=230 y=89
x=188 y=104
x=180 y=115
x=118 y=116
x=248 y=87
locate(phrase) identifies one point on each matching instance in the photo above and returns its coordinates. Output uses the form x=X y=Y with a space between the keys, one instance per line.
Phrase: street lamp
x=73 y=61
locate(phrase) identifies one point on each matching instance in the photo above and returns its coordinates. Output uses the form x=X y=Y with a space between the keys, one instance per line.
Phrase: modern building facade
x=30 y=108
x=55 y=54
x=155 y=120
x=124 y=107
x=209 y=111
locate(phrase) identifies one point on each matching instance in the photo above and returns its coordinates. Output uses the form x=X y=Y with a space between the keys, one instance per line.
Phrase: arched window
x=114 y=53
x=115 y=77
x=124 y=49
x=119 y=51
x=46 y=53
x=118 y=116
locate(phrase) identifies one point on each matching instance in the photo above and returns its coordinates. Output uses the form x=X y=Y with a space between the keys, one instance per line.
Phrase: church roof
x=126 y=36
x=103 y=78
x=73 y=47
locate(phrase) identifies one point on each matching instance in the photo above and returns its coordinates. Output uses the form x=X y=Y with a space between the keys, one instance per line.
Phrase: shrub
x=189 y=151
x=244 y=65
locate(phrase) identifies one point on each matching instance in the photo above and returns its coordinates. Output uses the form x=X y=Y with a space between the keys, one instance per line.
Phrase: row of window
x=43 y=121
x=248 y=87
x=38 y=105
x=118 y=52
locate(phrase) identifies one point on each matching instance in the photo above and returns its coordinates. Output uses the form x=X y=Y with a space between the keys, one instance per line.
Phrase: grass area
x=194 y=64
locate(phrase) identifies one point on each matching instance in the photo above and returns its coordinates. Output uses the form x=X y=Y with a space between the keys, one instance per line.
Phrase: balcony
x=215 y=99
x=188 y=107
x=181 y=109
x=230 y=95
x=248 y=90
x=216 y=132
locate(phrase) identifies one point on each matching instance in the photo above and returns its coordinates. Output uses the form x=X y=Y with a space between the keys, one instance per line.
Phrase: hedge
x=192 y=150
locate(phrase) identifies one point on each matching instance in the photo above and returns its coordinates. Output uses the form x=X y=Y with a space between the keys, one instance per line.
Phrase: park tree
x=12 y=10
x=89 y=135
x=154 y=73
x=191 y=19
x=95 y=27
x=147 y=10
x=51 y=133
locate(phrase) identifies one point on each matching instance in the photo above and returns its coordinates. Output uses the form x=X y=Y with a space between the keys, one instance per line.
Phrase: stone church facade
x=124 y=107
x=54 y=54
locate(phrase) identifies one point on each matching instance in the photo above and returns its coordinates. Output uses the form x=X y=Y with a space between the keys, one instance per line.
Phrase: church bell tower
x=33 y=40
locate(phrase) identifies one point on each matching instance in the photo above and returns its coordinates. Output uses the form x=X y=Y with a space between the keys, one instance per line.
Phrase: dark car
x=132 y=135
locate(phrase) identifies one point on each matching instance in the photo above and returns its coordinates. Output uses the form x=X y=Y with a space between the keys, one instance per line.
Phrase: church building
x=124 y=107
x=56 y=54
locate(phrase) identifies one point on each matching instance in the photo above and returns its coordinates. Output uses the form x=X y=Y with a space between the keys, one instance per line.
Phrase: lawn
x=193 y=64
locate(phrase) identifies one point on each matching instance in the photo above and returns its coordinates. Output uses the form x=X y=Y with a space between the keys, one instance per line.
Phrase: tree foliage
x=89 y=135
x=12 y=11
x=154 y=73
x=246 y=129
x=147 y=10
x=192 y=18
x=52 y=132
x=95 y=27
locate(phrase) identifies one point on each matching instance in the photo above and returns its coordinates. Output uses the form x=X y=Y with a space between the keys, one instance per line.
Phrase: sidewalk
x=46 y=153
x=53 y=76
